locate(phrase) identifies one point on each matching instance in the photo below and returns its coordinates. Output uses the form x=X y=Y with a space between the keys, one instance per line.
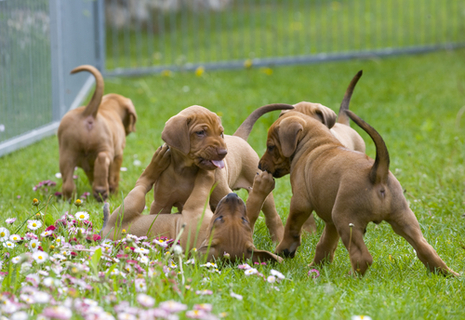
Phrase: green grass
x=266 y=28
x=413 y=102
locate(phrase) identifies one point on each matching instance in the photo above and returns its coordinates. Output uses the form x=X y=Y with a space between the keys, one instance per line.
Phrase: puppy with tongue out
x=196 y=139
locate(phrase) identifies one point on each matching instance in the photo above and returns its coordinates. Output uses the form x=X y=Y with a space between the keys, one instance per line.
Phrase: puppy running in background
x=197 y=142
x=347 y=190
x=226 y=231
x=93 y=138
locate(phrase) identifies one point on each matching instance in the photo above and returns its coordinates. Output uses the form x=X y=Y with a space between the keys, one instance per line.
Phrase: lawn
x=414 y=102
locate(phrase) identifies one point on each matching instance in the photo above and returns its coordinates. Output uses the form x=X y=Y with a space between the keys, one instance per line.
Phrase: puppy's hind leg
x=406 y=225
x=352 y=236
x=67 y=164
x=113 y=178
x=100 y=185
x=325 y=248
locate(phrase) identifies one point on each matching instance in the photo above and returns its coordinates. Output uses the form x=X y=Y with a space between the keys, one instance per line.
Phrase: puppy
x=341 y=129
x=93 y=138
x=226 y=231
x=347 y=190
x=197 y=141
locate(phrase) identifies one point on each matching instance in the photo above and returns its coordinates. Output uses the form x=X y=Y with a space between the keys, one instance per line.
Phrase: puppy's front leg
x=298 y=214
x=134 y=203
x=263 y=184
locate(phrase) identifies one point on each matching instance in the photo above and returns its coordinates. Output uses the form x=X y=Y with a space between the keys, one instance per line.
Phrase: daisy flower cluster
x=274 y=277
x=67 y=270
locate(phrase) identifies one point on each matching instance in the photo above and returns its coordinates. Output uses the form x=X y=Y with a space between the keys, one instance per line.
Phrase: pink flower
x=172 y=306
x=314 y=273
x=204 y=292
x=10 y=220
x=204 y=306
x=145 y=300
x=262 y=263
x=244 y=266
x=58 y=312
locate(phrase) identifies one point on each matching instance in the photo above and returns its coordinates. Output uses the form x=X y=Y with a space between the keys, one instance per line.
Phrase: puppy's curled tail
x=92 y=107
x=380 y=170
x=342 y=116
x=106 y=215
x=246 y=127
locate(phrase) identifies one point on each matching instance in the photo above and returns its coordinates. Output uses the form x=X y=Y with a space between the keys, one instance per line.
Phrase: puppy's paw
x=100 y=194
x=263 y=183
x=162 y=157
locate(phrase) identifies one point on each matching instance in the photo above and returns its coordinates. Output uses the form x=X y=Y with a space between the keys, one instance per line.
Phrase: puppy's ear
x=263 y=255
x=176 y=133
x=328 y=116
x=289 y=133
x=208 y=250
x=129 y=121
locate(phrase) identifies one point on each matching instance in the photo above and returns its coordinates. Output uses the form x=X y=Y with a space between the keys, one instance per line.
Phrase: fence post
x=99 y=14
x=58 y=104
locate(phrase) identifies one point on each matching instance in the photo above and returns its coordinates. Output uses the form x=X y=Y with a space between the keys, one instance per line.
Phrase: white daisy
x=82 y=215
x=4 y=234
x=40 y=256
x=34 y=245
x=15 y=237
x=34 y=224
x=250 y=271
x=9 y=244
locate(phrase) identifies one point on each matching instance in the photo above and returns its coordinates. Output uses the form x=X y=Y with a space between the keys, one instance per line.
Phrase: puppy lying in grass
x=225 y=231
x=93 y=138
x=347 y=190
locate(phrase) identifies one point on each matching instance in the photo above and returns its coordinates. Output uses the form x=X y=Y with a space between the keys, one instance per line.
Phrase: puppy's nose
x=232 y=195
x=260 y=166
x=222 y=152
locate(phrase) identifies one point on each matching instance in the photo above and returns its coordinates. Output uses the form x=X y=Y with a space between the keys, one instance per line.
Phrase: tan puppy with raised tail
x=347 y=189
x=197 y=141
x=93 y=138
x=341 y=129
x=226 y=231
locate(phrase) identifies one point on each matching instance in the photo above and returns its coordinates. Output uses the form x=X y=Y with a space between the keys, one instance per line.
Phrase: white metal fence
x=42 y=40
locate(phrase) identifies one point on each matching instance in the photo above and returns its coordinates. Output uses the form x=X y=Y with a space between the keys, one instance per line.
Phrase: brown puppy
x=197 y=141
x=93 y=138
x=227 y=230
x=341 y=129
x=347 y=189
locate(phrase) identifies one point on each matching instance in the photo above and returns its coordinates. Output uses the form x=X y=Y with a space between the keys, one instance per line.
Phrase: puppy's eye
x=222 y=135
x=220 y=218
x=200 y=133
x=244 y=220
x=270 y=148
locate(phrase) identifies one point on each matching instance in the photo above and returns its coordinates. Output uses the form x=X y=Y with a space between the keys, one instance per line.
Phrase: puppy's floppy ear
x=209 y=251
x=263 y=255
x=176 y=133
x=131 y=117
x=289 y=133
x=327 y=115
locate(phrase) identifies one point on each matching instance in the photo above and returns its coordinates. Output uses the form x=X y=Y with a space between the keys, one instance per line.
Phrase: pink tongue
x=218 y=163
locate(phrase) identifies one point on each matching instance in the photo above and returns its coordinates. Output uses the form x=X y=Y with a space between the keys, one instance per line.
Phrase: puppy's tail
x=246 y=127
x=380 y=170
x=106 y=215
x=342 y=116
x=92 y=107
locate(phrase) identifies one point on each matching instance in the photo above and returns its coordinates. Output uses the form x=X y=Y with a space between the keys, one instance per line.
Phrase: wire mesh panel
x=25 y=73
x=152 y=35
x=41 y=41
